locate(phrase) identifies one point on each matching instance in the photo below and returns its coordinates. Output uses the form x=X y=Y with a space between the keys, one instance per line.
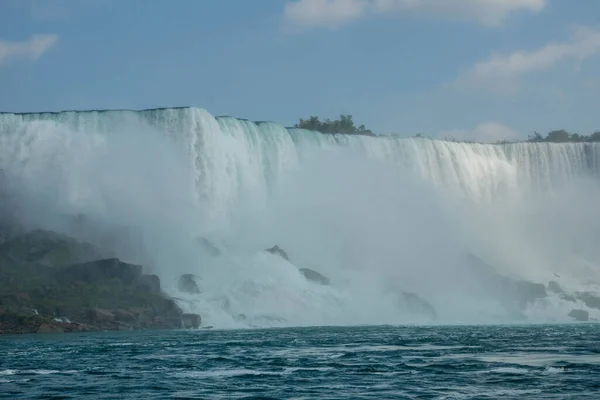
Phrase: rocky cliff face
x=52 y=283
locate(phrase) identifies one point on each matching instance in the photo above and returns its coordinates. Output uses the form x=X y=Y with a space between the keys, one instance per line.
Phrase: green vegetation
x=45 y=275
x=556 y=136
x=344 y=125
x=562 y=136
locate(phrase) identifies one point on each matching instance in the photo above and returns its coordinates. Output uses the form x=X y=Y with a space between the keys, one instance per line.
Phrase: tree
x=536 y=137
x=560 y=136
x=343 y=125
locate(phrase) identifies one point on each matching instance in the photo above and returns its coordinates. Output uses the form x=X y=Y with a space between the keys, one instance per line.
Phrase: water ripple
x=533 y=362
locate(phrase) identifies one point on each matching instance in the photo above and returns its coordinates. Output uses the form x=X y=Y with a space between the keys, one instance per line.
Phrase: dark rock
x=208 y=247
x=40 y=282
x=278 y=251
x=49 y=248
x=528 y=292
x=419 y=306
x=187 y=284
x=24 y=297
x=410 y=302
x=554 y=287
x=100 y=270
x=14 y=322
x=568 y=297
x=191 y=321
x=145 y=317
x=124 y=315
x=47 y=328
x=124 y=327
x=514 y=294
x=87 y=328
x=167 y=315
x=100 y=315
x=148 y=283
x=478 y=265
x=590 y=300
x=314 y=276
x=579 y=315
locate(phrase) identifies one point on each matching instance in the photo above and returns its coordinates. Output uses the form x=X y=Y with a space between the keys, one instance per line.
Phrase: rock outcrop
x=148 y=283
x=419 y=306
x=314 y=276
x=411 y=303
x=187 y=284
x=49 y=248
x=100 y=270
x=554 y=287
x=207 y=246
x=49 y=328
x=309 y=274
x=514 y=294
x=279 y=252
x=191 y=321
x=590 y=300
x=579 y=315
x=100 y=315
x=48 y=283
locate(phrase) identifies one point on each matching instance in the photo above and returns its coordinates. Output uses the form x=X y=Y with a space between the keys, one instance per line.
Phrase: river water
x=380 y=362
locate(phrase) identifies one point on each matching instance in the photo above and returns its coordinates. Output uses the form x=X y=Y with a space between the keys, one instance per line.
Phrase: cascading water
x=372 y=214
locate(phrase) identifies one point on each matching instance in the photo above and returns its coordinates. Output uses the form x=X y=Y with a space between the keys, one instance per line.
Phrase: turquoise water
x=487 y=362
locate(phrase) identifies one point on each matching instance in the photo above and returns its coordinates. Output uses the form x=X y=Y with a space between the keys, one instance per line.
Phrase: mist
x=377 y=216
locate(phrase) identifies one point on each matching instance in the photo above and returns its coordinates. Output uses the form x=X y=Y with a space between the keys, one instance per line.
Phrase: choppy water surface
x=533 y=362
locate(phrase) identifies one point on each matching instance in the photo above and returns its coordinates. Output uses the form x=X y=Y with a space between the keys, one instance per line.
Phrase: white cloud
x=333 y=13
x=31 y=49
x=486 y=132
x=485 y=12
x=324 y=13
x=502 y=71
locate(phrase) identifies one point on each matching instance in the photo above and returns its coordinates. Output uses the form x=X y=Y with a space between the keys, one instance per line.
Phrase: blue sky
x=481 y=69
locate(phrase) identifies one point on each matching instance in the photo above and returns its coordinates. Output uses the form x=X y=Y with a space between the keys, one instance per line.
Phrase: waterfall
x=363 y=210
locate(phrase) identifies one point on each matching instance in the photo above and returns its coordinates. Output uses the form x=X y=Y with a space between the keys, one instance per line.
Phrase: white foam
x=49 y=372
x=222 y=373
x=8 y=372
x=368 y=213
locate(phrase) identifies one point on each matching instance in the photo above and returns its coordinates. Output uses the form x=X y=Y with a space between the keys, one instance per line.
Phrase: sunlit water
x=452 y=362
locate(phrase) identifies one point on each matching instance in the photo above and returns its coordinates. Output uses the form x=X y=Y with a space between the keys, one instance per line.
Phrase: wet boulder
x=527 y=292
x=124 y=315
x=49 y=328
x=148 y=283
x=314 y=276
x=411 y=303
x=100 y=315
x=514 y=294
x=207 y=246
x=554 y=287
x=187 y=284
x=419 y=306
x=579 y=315
x=279 y=252
x=191 y=321
x=591 y=300
x=100 y=270
x=48 y=248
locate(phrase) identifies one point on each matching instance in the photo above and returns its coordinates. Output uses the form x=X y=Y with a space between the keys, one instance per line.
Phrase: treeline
x=344 y=125
x=562 y=136
x=557 y=136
